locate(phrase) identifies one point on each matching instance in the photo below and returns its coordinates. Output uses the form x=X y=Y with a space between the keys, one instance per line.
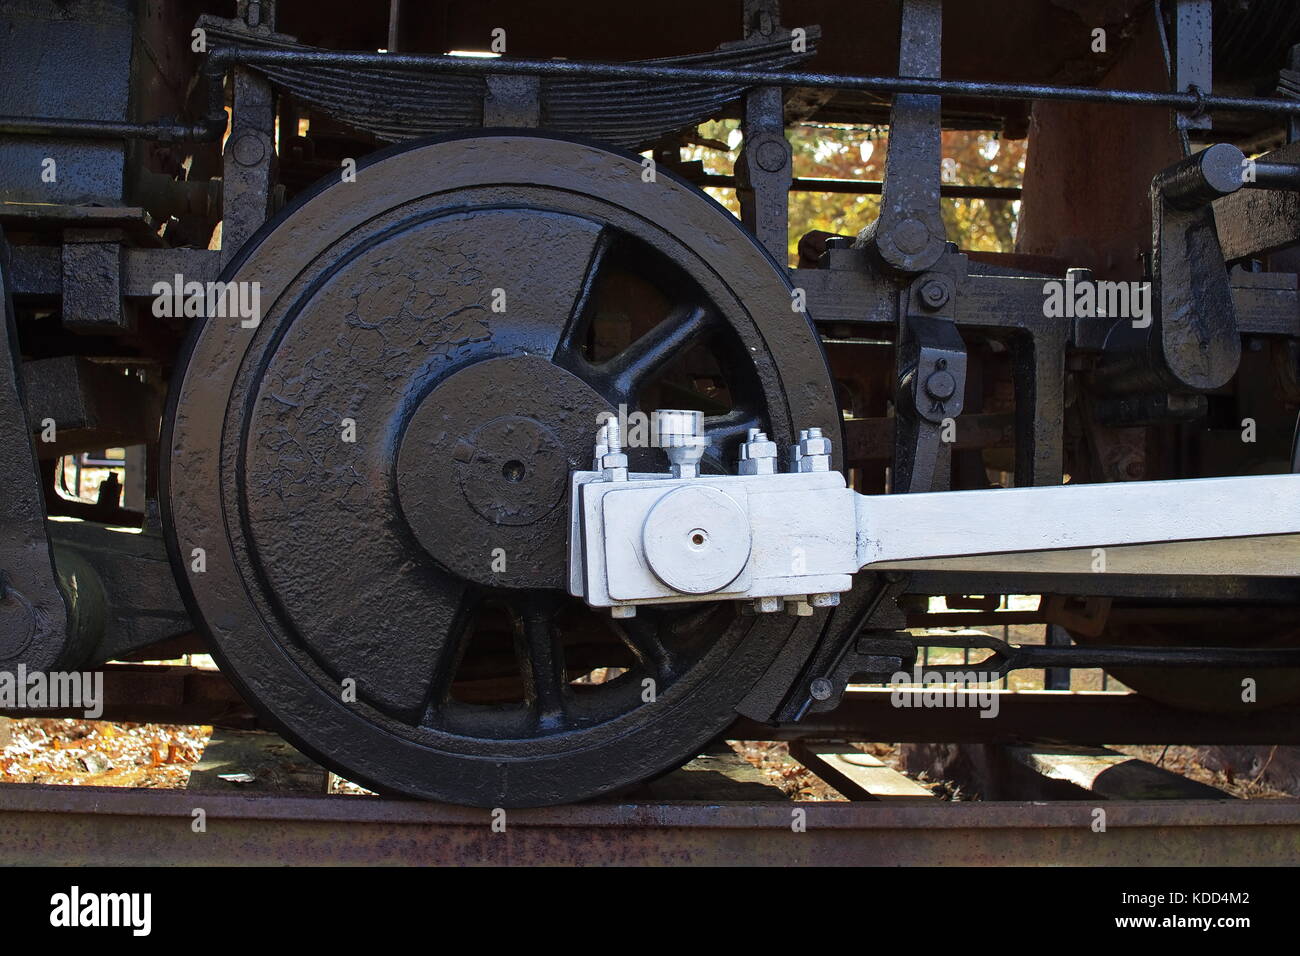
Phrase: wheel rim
x=371 y=561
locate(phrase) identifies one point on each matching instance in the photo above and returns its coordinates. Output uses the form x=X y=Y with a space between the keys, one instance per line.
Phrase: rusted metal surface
x=91 y=825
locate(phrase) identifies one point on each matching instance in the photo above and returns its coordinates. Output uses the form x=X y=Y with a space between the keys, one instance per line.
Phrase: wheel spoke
x=541 y=661
x=449 y=654
x=641 y=635
x=629 y=371
x=568 y=348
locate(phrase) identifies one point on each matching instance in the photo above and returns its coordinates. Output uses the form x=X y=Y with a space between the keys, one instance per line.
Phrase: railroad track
x=53 y=825
x=252 y=799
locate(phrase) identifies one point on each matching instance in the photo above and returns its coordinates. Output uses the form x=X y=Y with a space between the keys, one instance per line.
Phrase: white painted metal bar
x=1248 y=525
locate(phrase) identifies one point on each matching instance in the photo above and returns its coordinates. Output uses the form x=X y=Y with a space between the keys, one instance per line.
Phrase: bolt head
x=821 y=689
x=815 y=446
x=934 y=294
x=798 y=608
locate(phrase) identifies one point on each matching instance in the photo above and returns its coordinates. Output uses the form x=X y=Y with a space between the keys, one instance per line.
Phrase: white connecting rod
x=794 y=538
x=1247 y=526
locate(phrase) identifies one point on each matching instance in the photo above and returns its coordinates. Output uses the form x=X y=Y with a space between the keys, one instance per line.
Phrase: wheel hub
x=505 y=433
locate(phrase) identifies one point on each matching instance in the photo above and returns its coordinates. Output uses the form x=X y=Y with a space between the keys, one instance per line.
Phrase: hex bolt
x=612 y=462
x=824 y=600
x=821 y=689
x=934 y=294
x=768 y=605
x=813 y=453
x=681 y=436
x=602 y=447
x=622 y=611
x=757 y=454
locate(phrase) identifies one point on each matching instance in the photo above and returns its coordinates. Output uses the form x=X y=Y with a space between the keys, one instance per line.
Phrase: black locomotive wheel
x=376 y=473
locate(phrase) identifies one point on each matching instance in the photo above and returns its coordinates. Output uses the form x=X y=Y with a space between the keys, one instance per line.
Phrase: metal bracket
x=851 y=645
x=92 y=282
x=909 y=234
x=514 y=101
x=248 y=162
x=931 y=364
x=764 y=171
x=1192 y=341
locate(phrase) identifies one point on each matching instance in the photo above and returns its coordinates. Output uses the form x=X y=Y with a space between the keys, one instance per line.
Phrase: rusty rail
x=96 y=826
